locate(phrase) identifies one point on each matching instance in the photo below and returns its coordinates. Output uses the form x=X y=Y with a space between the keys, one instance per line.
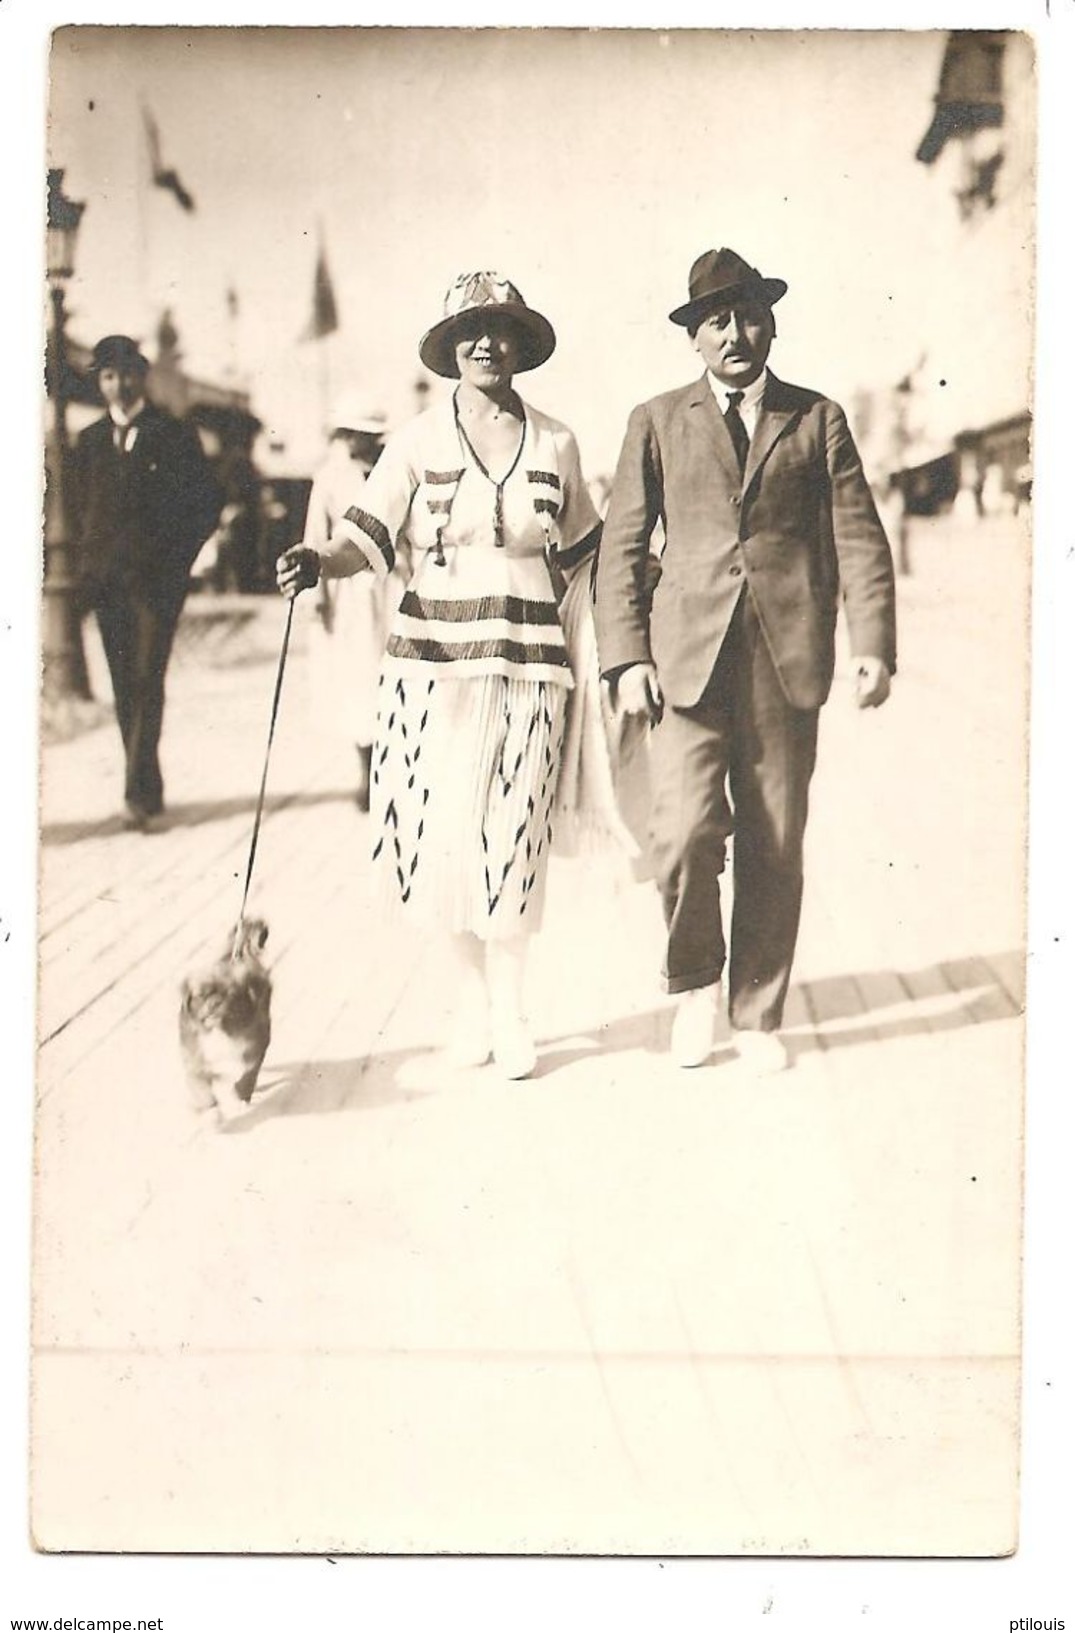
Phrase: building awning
x=925 y=450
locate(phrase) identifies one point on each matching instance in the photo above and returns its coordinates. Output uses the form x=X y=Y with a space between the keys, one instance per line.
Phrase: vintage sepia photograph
x=533 y=806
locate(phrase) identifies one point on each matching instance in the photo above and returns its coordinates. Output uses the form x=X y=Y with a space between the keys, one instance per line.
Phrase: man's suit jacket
x=141 y=516
x=800 y=528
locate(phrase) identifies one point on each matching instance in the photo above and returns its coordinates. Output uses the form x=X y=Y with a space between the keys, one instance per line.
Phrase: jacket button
x=734 y=501
x=735 y=570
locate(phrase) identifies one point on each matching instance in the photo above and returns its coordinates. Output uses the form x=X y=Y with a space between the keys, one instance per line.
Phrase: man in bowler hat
x=768 y=523
x=144 y=503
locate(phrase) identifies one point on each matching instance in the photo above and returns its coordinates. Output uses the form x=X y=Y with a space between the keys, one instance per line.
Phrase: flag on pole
x=162 y=175
x=323 y=316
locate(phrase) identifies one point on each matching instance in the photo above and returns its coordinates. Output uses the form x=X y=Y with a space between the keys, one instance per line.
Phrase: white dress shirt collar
x=125 y=426
x=120 y=416
x=752 y=395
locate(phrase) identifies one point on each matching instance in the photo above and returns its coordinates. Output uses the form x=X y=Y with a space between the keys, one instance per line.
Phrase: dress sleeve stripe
x=372 y=529
x=578 y=552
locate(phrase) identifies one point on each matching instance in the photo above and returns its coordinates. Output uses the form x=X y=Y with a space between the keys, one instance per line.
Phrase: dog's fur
x=225 y=1025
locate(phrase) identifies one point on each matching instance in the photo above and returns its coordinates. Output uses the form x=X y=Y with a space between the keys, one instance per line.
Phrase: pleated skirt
x=463 y=782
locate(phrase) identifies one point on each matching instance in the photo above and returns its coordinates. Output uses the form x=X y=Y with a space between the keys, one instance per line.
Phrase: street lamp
x=65 y=674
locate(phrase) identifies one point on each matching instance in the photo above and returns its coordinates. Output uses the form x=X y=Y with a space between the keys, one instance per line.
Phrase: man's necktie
x=125 y=436
x=736 y=429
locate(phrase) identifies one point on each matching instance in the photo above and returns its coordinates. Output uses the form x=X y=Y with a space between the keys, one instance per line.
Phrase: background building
x=964 y=416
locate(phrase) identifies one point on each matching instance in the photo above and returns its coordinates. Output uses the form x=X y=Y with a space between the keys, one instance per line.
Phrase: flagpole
x=153 y=172
x=324 y=338
x=326 y=381
x=143 y=173
x=231 y=304
x=324 y=322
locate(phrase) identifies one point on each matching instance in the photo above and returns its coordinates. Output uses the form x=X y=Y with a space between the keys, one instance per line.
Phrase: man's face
x=121 y=387
x=733 y=341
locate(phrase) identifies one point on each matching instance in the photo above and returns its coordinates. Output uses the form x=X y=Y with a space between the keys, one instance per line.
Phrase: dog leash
x=264 y=775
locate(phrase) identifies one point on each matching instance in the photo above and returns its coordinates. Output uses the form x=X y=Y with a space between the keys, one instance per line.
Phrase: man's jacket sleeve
x=623 y=579
x=867 y=580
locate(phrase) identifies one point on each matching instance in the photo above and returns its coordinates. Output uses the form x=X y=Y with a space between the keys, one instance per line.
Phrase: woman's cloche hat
x=471 y=292
x=722 y=275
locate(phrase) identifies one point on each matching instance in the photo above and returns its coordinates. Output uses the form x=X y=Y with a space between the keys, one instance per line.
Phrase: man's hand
x=638 y=691
x=872 y=682
x=297 y=569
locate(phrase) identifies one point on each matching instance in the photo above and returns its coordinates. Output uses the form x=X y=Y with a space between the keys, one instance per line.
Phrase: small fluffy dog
x=224 y=1023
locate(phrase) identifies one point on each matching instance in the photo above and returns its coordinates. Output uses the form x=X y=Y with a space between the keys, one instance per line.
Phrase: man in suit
x=144 y=502
x=768 y=522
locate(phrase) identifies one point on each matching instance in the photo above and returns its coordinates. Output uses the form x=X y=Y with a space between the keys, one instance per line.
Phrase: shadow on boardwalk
x=945 y=997
x=195 y=814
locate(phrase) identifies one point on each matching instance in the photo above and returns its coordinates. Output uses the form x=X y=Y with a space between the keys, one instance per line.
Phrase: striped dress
x=474 y=683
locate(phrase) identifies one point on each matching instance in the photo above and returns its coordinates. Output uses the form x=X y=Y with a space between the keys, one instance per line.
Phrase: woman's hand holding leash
x=297 y=569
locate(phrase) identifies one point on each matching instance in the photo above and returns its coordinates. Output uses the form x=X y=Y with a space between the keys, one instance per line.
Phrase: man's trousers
x=738 y=763
x=137 y=639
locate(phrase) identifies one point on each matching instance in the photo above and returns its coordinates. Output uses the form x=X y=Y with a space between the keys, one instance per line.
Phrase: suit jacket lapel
x=775 y=415
x=703 y=402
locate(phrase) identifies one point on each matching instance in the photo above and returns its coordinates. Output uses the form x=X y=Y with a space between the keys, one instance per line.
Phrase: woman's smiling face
x=487 y=350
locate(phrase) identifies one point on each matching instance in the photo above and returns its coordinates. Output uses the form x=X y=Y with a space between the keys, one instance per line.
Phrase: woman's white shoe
x=513 y=1046
x=470 y=1042
x=467 y=1047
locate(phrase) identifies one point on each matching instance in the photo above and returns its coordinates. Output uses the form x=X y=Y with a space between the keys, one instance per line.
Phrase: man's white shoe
x=692 y=1026
x=761 y=1052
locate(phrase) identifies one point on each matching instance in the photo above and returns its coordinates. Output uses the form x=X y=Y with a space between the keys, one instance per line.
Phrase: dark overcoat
x=141 y=516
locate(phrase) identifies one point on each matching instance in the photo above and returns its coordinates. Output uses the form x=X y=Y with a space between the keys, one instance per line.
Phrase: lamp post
x=64 y=672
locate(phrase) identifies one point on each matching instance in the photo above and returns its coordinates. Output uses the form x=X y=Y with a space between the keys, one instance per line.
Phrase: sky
x=391 y=263
x=589 y=167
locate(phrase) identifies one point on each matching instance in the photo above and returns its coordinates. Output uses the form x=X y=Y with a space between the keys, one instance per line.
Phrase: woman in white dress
x=487 y=496
x=349 y=625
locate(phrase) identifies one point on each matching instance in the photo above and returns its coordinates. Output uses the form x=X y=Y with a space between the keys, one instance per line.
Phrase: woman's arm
x=578 y=524
x=363 y=540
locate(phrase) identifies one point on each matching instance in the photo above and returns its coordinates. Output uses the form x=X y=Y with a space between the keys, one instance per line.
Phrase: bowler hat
x=117 y=352
x=722 y=275
x=473 y=292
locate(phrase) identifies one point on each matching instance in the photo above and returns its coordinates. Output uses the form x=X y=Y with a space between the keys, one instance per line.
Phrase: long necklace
x=498 y=502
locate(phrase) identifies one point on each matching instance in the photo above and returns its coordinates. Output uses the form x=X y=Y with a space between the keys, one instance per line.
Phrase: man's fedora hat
x=117 y=352
x=476 y=292
x=722 y=275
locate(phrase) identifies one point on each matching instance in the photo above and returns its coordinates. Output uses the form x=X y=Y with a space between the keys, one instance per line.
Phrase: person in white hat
x=488 y=496
x=350 y=624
